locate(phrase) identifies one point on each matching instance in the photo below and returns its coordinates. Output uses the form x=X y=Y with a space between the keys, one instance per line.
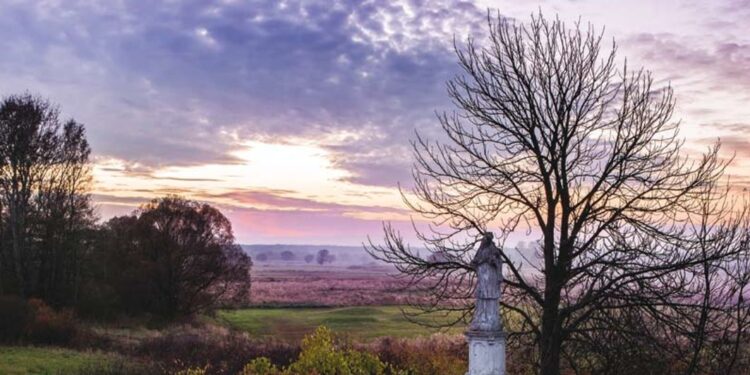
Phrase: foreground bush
x=213 y=349
x=48 y=326
x=437 y=354
x=35 y=322
x=321 y=355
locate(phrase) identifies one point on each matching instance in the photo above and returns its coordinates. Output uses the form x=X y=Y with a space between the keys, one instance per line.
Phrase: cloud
x=284 y=201
x=187 y=83
x=739 y=145
x=736 y=127
x=163 y=83
x=721 y=65
x=270 y=216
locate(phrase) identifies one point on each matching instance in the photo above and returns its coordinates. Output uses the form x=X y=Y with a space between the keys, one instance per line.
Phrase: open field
x=38 y=360
x=361 y=323
x=329 y=285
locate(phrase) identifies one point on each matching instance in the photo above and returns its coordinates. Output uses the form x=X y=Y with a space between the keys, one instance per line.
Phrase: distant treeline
x=170 y=257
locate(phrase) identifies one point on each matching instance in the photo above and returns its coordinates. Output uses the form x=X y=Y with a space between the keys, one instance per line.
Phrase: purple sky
x=294 y=117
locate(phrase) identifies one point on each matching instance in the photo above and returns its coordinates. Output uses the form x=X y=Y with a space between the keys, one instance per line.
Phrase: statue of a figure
x=488 y=266
x=485 y=334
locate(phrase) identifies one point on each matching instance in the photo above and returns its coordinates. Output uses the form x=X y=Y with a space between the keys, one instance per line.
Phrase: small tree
x=287 y=256
x=324 y=256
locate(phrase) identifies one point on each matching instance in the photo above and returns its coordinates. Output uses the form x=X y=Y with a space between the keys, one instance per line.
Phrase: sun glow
x=295 y=171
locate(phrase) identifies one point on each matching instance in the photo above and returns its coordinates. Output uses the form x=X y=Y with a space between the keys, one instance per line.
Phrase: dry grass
x=325 y=286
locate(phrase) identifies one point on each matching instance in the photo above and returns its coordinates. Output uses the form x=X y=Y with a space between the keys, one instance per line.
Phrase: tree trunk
x=17 y=251
x=551 y=338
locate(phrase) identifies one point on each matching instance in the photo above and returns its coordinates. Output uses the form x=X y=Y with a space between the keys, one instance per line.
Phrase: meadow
x=361 y=323
x=286 y=304
x=284 y=284
x=16 y=360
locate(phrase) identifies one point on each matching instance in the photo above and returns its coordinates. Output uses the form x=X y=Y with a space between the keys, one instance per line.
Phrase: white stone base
x=486 y=353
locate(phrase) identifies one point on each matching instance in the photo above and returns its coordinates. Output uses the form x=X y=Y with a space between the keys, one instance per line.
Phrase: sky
x=294 y=117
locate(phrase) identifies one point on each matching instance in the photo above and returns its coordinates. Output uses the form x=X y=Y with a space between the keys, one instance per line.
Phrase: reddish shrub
x=216 y=349
x=437 y=354
x=34 y=321
x=48 y=326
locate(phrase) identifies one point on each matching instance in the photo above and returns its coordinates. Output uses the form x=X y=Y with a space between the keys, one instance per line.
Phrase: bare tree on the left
x=44 y=200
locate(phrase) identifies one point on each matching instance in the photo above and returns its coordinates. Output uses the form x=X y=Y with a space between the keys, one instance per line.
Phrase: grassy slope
x=39 y=360
x=357 y=322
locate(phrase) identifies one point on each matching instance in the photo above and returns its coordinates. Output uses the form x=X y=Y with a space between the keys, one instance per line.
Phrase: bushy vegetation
x=204 y=348
x=33 y=321
x=210 y=347
x=322 y=355
x=171 y=258
x=436 y=354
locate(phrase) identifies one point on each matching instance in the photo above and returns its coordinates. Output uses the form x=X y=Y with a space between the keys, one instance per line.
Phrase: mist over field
x=356 y=257
x=296 y=255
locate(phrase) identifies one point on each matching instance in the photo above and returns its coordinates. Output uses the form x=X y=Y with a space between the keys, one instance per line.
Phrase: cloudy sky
x=294 y=116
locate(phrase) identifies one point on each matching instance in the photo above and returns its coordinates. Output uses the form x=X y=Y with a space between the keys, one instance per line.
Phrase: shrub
x=223 y=351
x=15 y=315
x=34 y=321
x=48 y=326
x=437 y=354
x=193 y=371
x=321 y=355
x=260 y=366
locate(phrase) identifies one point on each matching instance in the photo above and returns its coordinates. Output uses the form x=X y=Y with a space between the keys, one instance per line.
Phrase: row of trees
x=171 y=257
x=323 y=256
x=642 y=259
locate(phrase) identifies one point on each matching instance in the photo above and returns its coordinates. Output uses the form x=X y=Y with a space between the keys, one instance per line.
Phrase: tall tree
x=64 y=218
x=552 y=138
x=44 y=181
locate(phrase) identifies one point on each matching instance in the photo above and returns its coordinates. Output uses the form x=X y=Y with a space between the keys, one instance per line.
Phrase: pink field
x=313 y=285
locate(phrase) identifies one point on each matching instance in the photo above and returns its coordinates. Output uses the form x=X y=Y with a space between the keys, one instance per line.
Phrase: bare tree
x=552 y=138
x=688 y=320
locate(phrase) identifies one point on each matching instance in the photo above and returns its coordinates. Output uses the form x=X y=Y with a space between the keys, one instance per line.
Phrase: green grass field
x=362 y=323
x=288 y=324
x=16 y=360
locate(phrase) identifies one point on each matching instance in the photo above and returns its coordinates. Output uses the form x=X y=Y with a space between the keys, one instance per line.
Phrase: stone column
x=485 y=334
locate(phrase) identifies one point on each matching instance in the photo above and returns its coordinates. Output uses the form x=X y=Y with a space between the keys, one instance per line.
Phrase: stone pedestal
x=486 y=353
